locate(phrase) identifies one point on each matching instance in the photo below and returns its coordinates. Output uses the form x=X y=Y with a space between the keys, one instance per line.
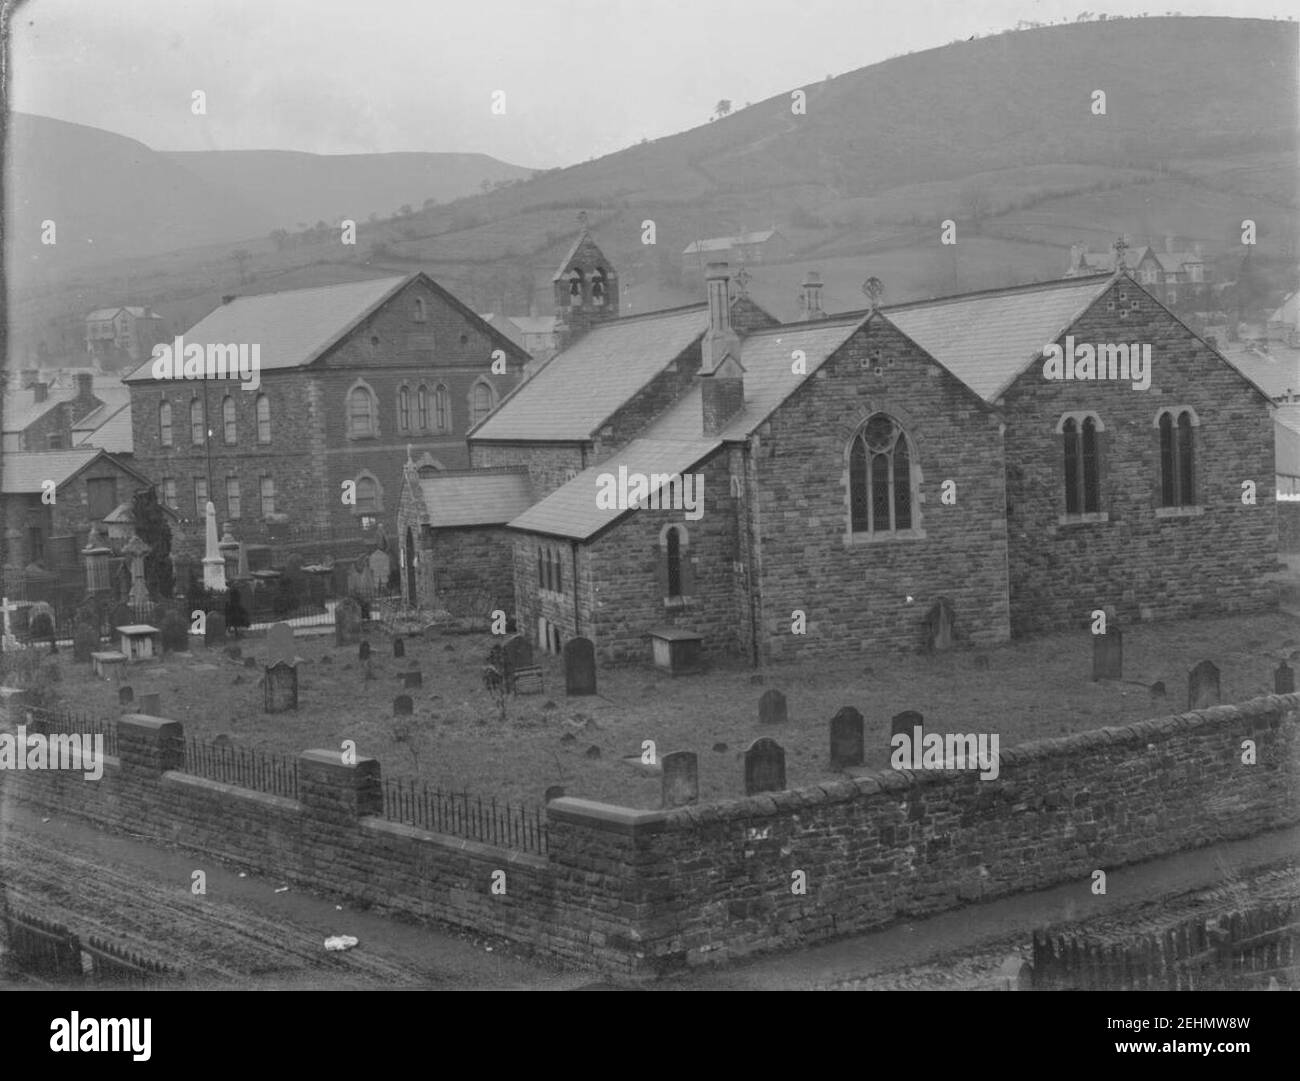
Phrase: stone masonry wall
x=646 y=892
x=1209 y=561
x=860 y=594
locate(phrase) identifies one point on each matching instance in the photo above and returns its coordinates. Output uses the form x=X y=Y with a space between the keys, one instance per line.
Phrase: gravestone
x=149 y=705
x=1203 y=686
x=121 y=616
x=846 y=738
x=280 y=644
x=771 y=708
x=412 y=679
x=214 y=628
x=347 y=622
x=905 y=722
x=517 y=652
x=125 y=695
x=280 y=687
x=403 y=706
x=174 y=630
x=363 y=651
x=681 y=778
x=938 y=626
x=85 y=640
x=1158 y=689
x=1108 y=654
x=399 y=648
x=1284 y=679
x=40 y=623
x=579 y=666
x=529 y=681
x=764 y=767
x=555 y=791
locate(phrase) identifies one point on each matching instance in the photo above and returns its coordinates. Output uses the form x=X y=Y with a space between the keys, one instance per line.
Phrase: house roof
x=466 y=498
x=725 y=243
x=766 y=358
x=573 y=511
x=22 y=409
x=26 y=473
x=580 y=387
x=987 y=339
x=1276 y=372
x=108 y=428
x=292 y=328
x=109 y=313
x=535 y=324
x=295 y=327
x=1288 y=311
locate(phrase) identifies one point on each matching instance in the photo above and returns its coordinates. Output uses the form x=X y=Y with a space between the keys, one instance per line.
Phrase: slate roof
x=22 y=408
x=24 y=474
x=473 y=497
x=293 y=328
x=1276 y=372
x=1288 y=311
x=110 y=432
x=987 y=339
x=580 y=387
x=572 y=511
x=535 y=324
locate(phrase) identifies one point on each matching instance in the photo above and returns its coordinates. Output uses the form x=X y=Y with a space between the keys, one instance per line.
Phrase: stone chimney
x=721 y=338
x=40 y=392
x=27 y=377
x=811 y=301
x=85 y=386
x=722 y=393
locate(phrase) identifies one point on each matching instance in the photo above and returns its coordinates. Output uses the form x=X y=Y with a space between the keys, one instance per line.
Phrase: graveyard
x=419 y=705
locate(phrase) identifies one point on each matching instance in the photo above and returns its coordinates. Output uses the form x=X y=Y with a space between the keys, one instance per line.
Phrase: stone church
x=817 y=488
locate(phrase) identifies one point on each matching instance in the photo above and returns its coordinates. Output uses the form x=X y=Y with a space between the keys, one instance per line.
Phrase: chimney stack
x=720 y=339
x=722 y=393
x=228 y=298
x=27 y=377
x=811 y=302
x=40 y=392
x=85 y=385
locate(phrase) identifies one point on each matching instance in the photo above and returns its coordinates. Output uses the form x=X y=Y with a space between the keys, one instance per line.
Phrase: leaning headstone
x=681 y=778
x=399 y=648
x=1203 y=686
x=280 y=687
x=905 y=723
x=1158 y=689
x=85 y=640
x=555 y=791
x=579 y=666
x=771 y=708
x=764 y=767
x=347 y=622
x=412 y=679
x=214 y=628
x=149 y=705
x=403 y=706
x=1108 y=654
x=938 y=626
x=279 y=644
x=125 y=695
x=1284 y=679
x=846 y=738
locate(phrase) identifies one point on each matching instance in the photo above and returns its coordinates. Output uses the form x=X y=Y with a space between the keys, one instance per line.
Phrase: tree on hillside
x=429 y=203
x=152 y=527
x=722 y=108
x=281 y=238
x=975 y=200
x=405 y=210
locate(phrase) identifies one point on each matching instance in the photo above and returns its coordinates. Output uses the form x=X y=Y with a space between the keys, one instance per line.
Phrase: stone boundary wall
x=640 y=893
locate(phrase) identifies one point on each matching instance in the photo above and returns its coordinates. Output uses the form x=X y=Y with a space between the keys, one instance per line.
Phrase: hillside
x=996 y=134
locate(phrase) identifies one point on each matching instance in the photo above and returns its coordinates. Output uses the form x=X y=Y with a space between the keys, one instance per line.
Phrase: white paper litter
x=283 y=889
x=340 y=942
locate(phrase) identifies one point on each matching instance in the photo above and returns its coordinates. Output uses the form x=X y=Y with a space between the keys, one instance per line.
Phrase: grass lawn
x=1031 y=689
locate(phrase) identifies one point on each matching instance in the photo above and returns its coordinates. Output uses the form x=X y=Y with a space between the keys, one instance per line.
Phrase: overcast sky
x=581 y=78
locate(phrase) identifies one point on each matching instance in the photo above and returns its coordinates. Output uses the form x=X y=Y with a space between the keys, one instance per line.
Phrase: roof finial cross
x=743 y=278
x=874 y=289
x=1120 y=246
x=582 y=219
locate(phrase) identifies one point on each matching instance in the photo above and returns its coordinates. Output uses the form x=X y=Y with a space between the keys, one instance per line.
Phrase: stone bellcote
x=585 y=287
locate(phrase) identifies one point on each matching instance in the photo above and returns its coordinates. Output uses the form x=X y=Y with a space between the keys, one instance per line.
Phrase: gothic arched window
x=881 y=495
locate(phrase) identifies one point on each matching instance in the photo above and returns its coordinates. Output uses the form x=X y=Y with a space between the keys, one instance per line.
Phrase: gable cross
x=1120 y=246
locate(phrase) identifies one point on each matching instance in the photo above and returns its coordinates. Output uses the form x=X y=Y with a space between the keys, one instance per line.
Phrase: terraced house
x=859 y=468
x=351 y=377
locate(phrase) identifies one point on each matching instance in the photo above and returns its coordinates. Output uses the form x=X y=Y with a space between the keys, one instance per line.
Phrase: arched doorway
x=411 y=595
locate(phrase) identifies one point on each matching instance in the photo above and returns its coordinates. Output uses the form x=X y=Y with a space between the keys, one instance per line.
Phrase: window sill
x=852 y=540
x=1180 y=512
x=362 y=438
x=678 y=602
x=1096 y=517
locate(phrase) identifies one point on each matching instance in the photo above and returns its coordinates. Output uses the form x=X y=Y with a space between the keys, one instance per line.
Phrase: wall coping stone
x=605 y=816
x=266 y=799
